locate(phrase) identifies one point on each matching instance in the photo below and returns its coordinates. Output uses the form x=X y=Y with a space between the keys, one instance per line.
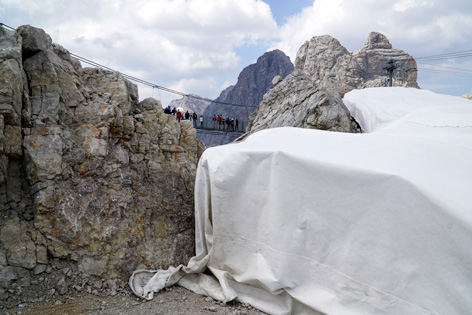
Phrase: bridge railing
x=209 y=124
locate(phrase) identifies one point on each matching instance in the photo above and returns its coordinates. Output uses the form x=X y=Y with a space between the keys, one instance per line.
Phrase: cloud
x=421 y=26
x=163 y=40
x=179 y=43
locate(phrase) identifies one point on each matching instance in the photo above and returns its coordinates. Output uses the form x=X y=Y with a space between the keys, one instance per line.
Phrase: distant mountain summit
x=253 y=82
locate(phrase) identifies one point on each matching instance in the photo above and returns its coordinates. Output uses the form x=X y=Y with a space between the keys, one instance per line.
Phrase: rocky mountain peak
x=331 y=64
x=311 y=97
x=377 y=41
x=319 y=55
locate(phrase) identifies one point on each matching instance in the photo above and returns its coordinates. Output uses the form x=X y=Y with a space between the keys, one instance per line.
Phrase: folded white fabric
x=298 y=221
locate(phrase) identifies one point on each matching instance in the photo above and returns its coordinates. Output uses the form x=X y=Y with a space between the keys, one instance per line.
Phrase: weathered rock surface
x=330 y=64
x=298 y=102
x=311 y=97
x=87 y=173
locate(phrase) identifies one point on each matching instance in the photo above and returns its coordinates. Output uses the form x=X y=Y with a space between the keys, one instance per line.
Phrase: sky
x=201 y=46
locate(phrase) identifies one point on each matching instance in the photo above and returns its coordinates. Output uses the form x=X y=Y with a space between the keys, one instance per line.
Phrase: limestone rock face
x=87 y=172
x=330 y=64
x=298 y=102
x=34 y=39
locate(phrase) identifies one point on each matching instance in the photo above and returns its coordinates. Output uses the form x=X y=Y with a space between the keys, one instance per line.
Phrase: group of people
x=225 y=123
x=219 y=122
x=179 y=116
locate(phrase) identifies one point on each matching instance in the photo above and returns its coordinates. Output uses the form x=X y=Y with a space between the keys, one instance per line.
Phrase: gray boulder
x=34 y=39
x=298 y=102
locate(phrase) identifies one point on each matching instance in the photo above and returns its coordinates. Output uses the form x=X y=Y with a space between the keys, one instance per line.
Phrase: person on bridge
x=201 y=121
x=214 y=121
x=179 y=115
x=194 y=118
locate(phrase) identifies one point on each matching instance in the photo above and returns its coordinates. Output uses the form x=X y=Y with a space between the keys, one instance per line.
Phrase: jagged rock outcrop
x=298 y=102
x=253 y=82
x=324 y=70
x=87 y=173
x=330 y=64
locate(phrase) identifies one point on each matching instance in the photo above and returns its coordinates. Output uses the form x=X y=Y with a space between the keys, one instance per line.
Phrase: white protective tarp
x=298 y=221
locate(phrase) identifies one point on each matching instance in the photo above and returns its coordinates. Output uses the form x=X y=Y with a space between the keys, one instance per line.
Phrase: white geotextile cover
x=298 y=221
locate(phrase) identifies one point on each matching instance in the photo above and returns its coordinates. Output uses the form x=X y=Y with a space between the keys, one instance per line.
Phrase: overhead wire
x=452 y=55
x=144 y=82
x=446 y=72
x=422 y=60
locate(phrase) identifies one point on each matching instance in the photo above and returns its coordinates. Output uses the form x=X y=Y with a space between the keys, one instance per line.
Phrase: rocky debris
x=330 y=64
x=253 y=82
x=89 y=176
x=173 y=300
x=467 y=96
x=298 y=102
x=61 y=286
x=64 y=290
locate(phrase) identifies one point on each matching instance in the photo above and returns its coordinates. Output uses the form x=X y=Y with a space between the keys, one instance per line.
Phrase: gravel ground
x=175 y=300
x=62 y=290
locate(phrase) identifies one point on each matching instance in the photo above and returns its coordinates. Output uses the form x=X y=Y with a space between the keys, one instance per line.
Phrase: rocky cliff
x=297 y=101
x=87 y=173
x=311 y=97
